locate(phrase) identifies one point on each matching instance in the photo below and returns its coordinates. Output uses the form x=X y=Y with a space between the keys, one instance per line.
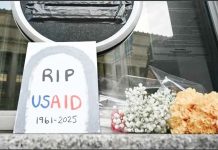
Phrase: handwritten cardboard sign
x=59 y=91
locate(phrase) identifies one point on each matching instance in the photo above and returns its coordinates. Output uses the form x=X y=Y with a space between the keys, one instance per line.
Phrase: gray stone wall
x=115 y=141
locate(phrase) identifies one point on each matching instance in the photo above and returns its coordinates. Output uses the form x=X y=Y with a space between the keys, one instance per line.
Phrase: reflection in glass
x=169 y=39
x=5 y=5
x=172 y=43
x=12 y=56
x=168 y=36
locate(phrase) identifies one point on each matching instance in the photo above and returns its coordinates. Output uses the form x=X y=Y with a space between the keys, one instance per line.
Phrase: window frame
x=209 y=37
x=213 y=8
x=7 y=119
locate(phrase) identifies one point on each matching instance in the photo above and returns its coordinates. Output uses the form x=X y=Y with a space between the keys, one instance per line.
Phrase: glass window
x=173 y=43
x=177 y=37
x=12 y=56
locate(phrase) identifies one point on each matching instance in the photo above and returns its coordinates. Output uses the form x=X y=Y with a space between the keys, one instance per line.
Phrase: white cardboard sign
x=59 y=91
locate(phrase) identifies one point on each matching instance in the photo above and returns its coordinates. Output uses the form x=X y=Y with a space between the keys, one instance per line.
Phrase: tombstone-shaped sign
x=59 y=91
x=106 y=22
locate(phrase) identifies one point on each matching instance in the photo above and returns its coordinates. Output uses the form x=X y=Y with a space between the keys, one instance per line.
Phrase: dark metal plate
x=63 y=21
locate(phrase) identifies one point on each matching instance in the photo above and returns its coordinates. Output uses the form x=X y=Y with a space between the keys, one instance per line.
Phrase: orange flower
x=194 y=113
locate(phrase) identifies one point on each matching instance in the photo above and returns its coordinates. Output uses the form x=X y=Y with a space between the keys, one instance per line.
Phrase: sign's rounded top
x=106 y=22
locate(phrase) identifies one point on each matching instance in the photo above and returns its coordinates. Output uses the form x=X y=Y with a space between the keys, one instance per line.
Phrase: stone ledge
x=131 y=141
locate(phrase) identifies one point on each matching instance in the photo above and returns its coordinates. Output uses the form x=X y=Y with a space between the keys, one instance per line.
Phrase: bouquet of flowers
x=186 y=111
x=145 y=113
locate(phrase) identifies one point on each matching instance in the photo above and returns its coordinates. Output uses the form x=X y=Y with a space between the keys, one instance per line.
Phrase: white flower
x=116 y=126
x=132 y=124
x=131 y=117
x=138 y=123
x=125 y=129
x=147 y=113
x=120 y=111
x=137 y=130
x=157 y=129
x=127 y=124
x=129 y=130
x=118 y=121
x=162 y=123
x=116 y=115
x=140 y=85
x=137 y=119
x=122 y=125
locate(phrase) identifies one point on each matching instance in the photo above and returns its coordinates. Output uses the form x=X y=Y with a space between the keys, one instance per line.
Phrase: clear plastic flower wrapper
x=194 y=111
x=151 y=106
x=175 y=83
